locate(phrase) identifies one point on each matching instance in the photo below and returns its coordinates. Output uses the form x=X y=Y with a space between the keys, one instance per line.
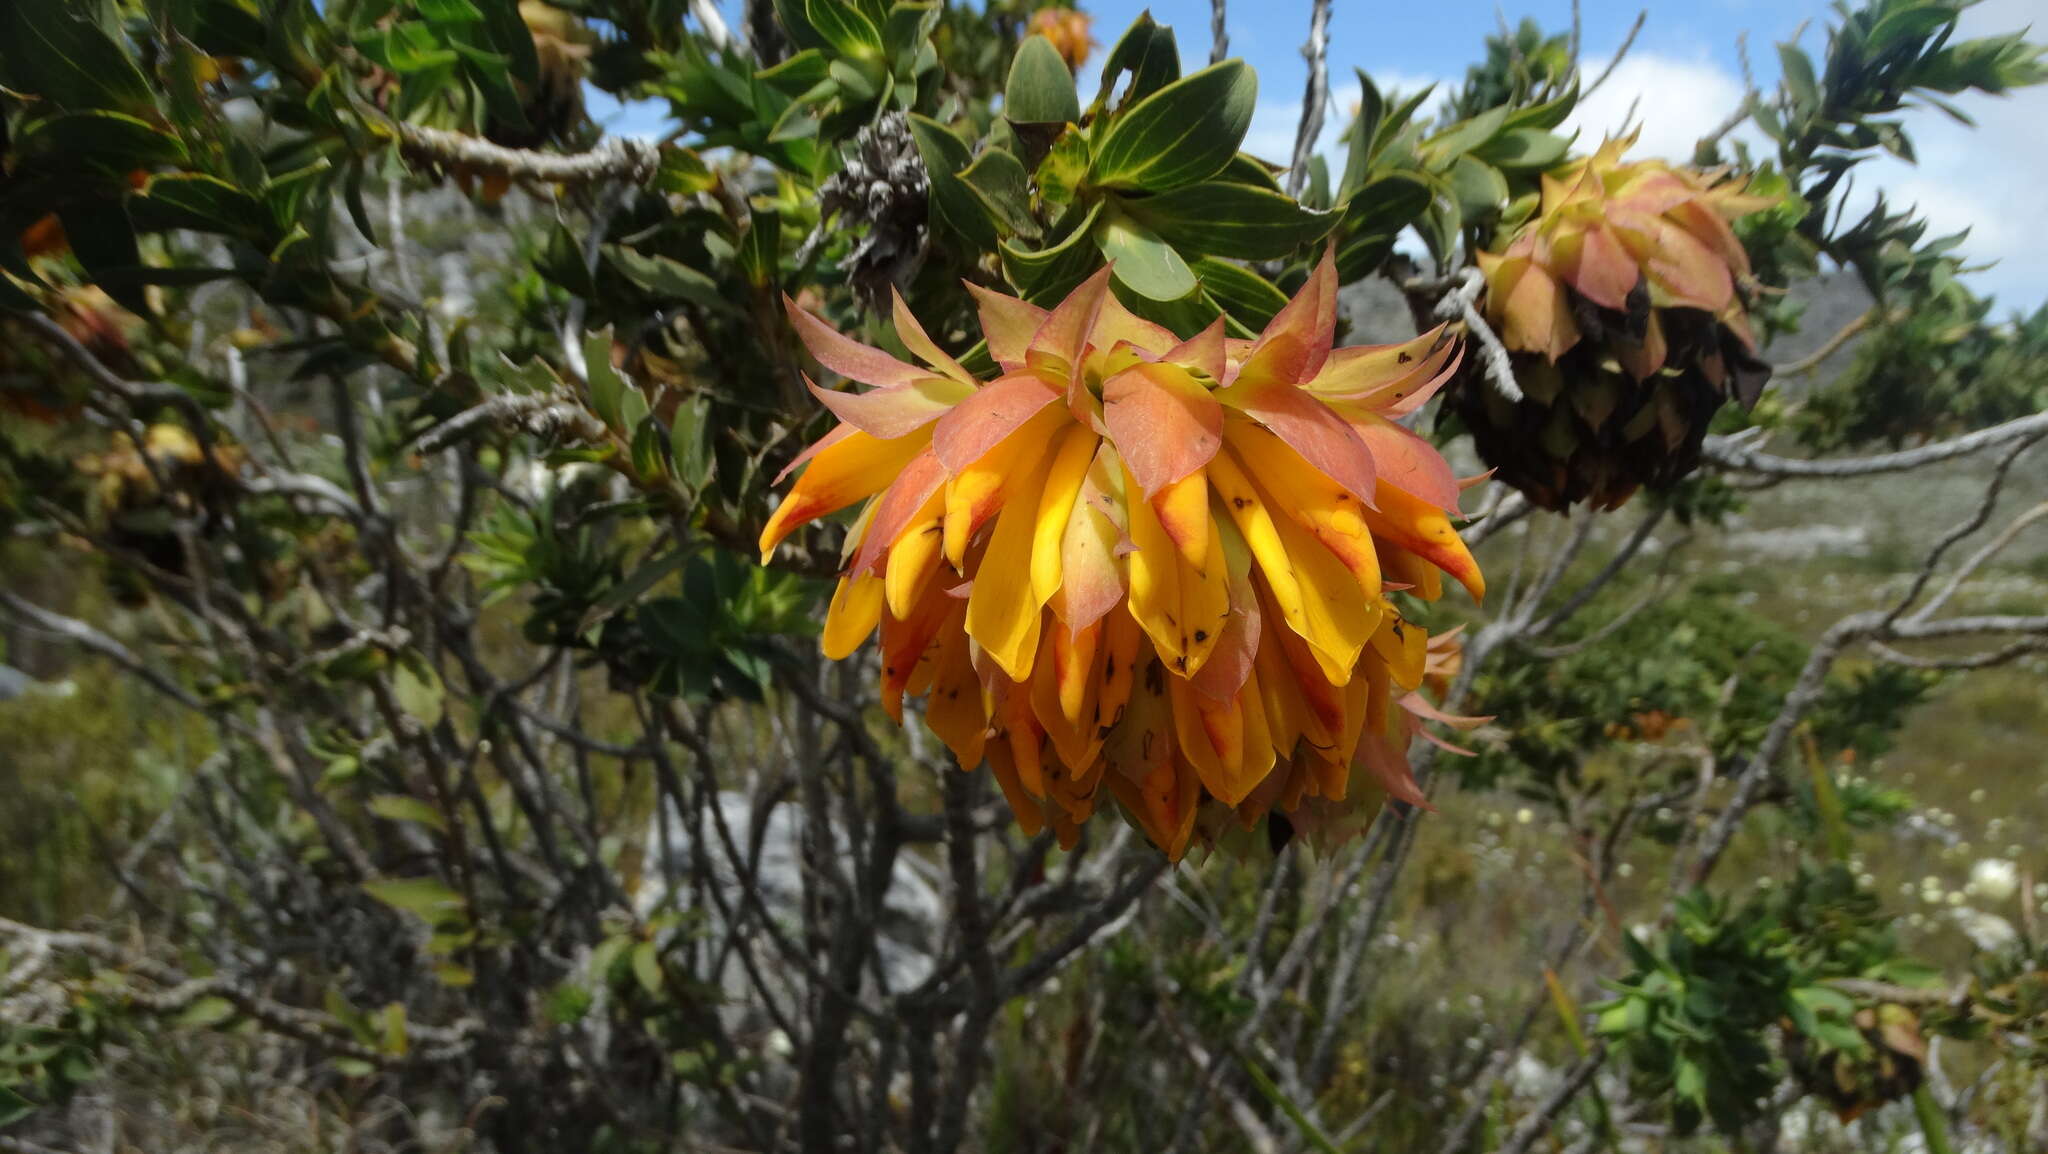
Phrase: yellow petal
x=1255 y=524
x=913 y=558
x=1183 y=510
x=956 y=711
x=851 y=469
x=855 y=611
x=1055 y=507
x=1404 y=647
x=1004 y=615
x=1079 y=672
x=977 y=491
x=1426 y=531
x=1181 y=608
x=1332 y=513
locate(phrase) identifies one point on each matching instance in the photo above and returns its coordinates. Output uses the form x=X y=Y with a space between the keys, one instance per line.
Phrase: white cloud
x=1989 y=180
x=1676 y=101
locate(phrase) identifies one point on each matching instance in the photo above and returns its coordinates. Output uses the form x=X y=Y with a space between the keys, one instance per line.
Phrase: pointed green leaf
x=1232 y=220
x=1040 y=89
x=1144 y=263
x=1183 y=133
x=999 y=184
x=400 y=807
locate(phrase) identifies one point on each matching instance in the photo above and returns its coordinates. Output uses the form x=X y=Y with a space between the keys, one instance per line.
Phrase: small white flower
x=778 y=1044
x=1525 y=815
x=1985 y=931
x=1994 y=880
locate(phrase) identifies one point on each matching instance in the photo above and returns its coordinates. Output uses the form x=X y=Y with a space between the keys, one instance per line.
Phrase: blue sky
x=1681 y=77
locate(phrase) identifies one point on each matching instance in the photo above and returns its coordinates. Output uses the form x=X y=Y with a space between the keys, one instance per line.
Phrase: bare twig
x=1317 y=53
x=616 y=158
x=1627 y=42
x=1728 y=453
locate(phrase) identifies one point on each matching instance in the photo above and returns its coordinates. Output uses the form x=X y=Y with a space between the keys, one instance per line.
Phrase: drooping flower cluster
x=1141 y=565
x=1625 y=301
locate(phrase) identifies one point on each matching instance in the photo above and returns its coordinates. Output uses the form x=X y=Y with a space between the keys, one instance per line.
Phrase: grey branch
x=1317 y=53
x=1730 y=453
x=1627 y=42
x=1219 y=32
x=1460 y=303
x=616 y=158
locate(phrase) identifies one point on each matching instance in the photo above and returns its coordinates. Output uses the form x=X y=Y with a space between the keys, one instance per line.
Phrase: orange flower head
x=1139 y=564
x=1625 y=302
x=1067 y=28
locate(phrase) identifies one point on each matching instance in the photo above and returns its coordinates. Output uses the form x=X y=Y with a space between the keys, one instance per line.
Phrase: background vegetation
x=409 y=752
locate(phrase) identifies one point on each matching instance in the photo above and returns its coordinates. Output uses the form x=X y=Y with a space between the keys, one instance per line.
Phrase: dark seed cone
x=1587 y=429
x=1623 y=302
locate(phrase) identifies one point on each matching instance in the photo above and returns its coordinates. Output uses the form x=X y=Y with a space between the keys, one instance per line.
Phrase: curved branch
x=1728 y=453
x=616 y=158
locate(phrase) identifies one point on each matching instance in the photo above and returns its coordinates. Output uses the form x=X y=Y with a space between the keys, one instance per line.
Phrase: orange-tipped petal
x=1408 y=462
x=912 y=497
x=853 y=468
x=1183 y=511
x=920 y=343
x=986 y=419
x=1425 y=530
x=1164 y=423
x=848 y=357
x=1008 y=324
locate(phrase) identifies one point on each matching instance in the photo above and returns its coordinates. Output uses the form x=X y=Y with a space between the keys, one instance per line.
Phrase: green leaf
x=1000 y=186
x=507 y=33
x=1478 y=187
x=683 y=172
x=1040 y=90
x=1374 y=217
x=639 y=581
x=677 y=626
x=906 y=29
x=1799 y=79
x=1147 y=54
x=1045 y=274
x=199 y=203
x=647 y=966
x=428 y=898
x=55 y=49
x=1523 y=150
x=449 y=11
x=1361 y=136
x=204 y=1013
x=1064 y=168
x=1183 y=133
x=394 y=1039
x=668 y=280
x=953 y=207
x=846 y=28
x=1464 y=136
x=1233 y=220
x=418 y=690
x=408 y=47
x=689 y=441
x=400 y=807
x=111 y=142
x=14 y=1107
x=606 y=386
x=1248 y=297
x=1144 y=263
x=760 y=251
